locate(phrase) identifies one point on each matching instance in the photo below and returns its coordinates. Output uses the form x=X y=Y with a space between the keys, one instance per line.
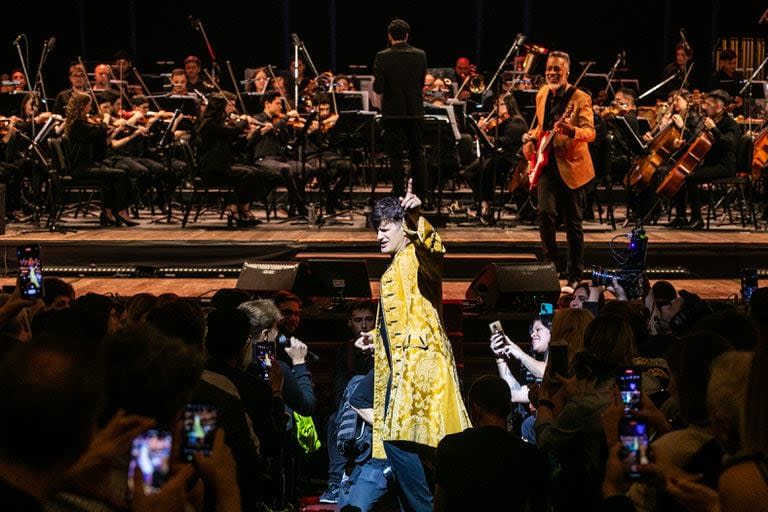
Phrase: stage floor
x=706 y=261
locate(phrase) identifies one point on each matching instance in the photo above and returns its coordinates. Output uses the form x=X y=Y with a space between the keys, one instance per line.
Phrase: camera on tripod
x=631 y=276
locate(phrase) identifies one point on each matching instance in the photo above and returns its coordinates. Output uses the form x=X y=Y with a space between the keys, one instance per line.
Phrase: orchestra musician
x=214 y=137
x=334 y=168
x=728 y=78
x=399 y=73
x=77 y=80
x=678 y=68
x=462 y=70
x=561 y=184
x=85 y=137
x=720 y=160
x=179 y=83
x=193 y=69
x=483 y=173
x=122 y=69
x=260 y=81
x=686 y=119
x=17 y=76
x=269 y=149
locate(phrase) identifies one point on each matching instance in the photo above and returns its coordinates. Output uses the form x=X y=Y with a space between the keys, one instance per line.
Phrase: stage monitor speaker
x=518 y=287
x=270 y=276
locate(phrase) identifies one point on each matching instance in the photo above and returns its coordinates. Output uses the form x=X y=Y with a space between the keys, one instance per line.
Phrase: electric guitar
x=540 y=156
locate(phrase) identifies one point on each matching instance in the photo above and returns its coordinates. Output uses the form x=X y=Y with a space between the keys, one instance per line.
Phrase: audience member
x=51 y=400
x=488 y=480
x=57 y=293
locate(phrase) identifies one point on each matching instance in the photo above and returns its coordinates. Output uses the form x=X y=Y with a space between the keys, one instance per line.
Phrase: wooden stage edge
x=273 y=233
x=709 y=289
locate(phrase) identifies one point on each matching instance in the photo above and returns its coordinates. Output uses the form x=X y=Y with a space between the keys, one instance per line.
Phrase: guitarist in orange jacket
x=562 y=180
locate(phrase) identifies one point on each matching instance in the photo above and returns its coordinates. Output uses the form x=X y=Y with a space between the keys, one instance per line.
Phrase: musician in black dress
x=399 y=73
x=86 y=139
x=214 y=136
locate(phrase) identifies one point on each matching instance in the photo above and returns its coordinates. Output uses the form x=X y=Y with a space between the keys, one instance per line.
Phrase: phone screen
x=263 y=353
x=30 y=271
x=496 y=327
x=199 y=430
x=629 y=382
x=151 y=453
x=633 y=434
x=748 y=283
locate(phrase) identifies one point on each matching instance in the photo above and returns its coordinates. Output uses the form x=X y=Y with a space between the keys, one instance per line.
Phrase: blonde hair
x=569 y=325
x=75 y=109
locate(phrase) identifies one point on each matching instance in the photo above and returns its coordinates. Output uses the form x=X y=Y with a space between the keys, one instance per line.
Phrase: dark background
x=339 y=33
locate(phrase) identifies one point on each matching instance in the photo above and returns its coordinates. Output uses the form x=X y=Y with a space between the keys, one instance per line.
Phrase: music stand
x=636 y=145
x=186 y=104
x=338 y=280
x=352 y=101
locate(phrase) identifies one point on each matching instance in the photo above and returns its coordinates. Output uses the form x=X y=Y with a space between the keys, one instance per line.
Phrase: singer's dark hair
x=387 y=209
x=398 y=29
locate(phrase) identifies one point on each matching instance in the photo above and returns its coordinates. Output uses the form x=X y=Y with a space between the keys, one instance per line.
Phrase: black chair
x=724 y=193
x=61 y=183
x=204 y=186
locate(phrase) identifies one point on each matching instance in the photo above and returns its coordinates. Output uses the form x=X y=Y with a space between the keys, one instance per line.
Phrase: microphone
x=519 y=40
x=193 y=22
x=18 y=39
x=684 y=40
x=296 y=39
x=623 y=55
x=51 y=43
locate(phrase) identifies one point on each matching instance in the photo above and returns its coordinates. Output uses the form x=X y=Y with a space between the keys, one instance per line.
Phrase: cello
x=693 y=156
x=760 y=155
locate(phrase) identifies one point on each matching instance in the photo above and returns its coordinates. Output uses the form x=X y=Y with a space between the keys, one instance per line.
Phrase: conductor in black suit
x=399 y=77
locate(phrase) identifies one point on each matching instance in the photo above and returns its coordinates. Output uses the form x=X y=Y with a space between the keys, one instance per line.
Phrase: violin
x=760 y=155
x=495 y=121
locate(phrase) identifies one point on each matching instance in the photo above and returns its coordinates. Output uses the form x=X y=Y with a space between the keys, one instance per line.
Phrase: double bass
x=660 y=149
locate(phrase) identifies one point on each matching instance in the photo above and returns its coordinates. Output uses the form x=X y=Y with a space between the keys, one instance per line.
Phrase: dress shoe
x=122 y=221
x=106 y=221
x=696 y=224
x=679 y=222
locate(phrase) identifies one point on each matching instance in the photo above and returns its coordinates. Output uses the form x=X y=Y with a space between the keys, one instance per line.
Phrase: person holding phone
x=417 y=398
x=533 y=362
x=568 y=423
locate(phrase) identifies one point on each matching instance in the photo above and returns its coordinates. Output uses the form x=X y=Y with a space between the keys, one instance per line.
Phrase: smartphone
x=496 y=327
x=629 y=380
x=558 y=357
x=633 y=434
x=151 y=453
x=546 y=309
x=748 y=284
x=30 y=271
x=199 y=430
x=263 y=354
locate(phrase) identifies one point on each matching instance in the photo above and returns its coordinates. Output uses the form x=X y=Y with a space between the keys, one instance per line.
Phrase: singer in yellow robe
x=417 y=399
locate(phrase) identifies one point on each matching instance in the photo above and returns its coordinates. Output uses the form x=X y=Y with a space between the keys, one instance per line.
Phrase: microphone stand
x=198 y=25
x=515 y=48
x=26 y=74
x=47 y=47
x=611 y=74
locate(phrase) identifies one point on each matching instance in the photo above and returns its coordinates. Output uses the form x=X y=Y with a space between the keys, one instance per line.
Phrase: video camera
x=631 y=276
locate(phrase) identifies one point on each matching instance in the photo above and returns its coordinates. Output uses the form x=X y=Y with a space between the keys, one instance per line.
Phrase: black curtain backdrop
x=347 y=32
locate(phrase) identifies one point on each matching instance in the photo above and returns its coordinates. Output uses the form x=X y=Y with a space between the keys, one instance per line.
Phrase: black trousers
x=115 y=183
x=703 y=174
x=482 y=174
x=555 y=196
x=275 y=172
x=405 y=135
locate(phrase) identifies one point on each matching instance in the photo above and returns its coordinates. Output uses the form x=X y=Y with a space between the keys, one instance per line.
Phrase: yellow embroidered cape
x=425 y=401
